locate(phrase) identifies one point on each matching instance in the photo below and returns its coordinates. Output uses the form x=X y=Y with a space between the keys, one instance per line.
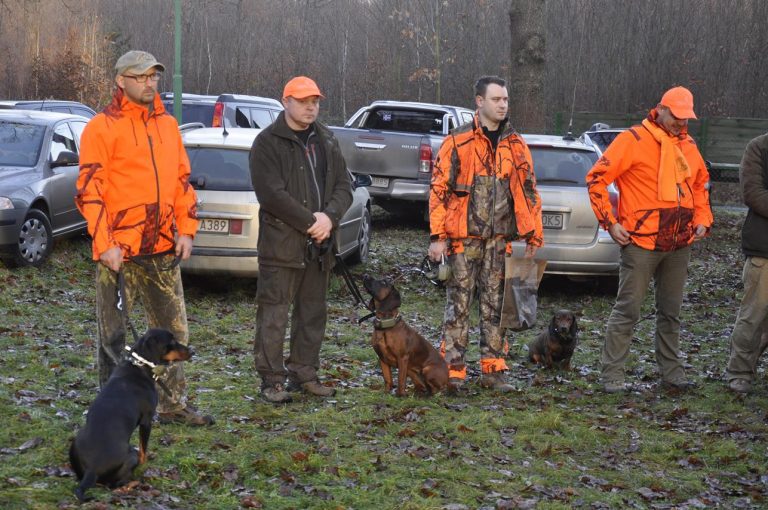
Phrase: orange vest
x=133 y=187
x=467 y=153
x=632 y=162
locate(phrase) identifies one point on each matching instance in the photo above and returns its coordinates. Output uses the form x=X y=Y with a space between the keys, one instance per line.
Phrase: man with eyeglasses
x=134 y=191
x=663 y=208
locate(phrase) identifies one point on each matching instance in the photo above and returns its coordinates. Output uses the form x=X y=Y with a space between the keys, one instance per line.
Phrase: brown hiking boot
x=315 y=388
x=496 y=381
x=187 y=416
x=276 y=393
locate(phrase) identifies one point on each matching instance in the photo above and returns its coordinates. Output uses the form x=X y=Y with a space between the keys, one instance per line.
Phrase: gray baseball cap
x=137 y=62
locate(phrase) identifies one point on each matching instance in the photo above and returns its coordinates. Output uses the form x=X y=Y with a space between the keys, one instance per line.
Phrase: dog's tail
x=88 y=481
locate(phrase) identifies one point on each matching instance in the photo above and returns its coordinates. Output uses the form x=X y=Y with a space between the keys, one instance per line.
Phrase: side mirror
x=66 y=158
x=363 y=180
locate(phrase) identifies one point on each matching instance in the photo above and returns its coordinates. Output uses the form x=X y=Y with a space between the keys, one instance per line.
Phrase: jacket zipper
x=312 y=170
x=157 y=184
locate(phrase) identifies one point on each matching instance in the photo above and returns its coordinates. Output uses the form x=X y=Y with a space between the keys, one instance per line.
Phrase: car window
x=219 y=169
x=603 y=138
x=60 y=109
x=77 y=128
x=82 y=111
x=63 y=140
x=407 y=121
x=562 y=167
x=193 y=112
x=466 y=117
x=260 y=118
x=20 y=143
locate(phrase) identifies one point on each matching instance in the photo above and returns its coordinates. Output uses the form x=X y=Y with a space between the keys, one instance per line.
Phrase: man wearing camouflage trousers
x=133 y=189
x=483 y=196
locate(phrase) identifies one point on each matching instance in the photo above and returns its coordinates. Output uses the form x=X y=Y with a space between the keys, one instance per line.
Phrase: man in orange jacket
x=663 y=209
x=134 y=191
x=483 y=196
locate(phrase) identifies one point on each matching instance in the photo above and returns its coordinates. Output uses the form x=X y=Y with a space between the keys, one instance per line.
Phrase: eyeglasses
x=142 y=78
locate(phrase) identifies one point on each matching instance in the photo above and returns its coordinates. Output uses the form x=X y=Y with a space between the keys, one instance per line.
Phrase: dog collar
x=386 y=323
x=138 y=361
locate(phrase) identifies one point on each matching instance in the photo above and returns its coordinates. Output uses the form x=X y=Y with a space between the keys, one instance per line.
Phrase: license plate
x=552 y=220
x=213 y=225
x=379 y=182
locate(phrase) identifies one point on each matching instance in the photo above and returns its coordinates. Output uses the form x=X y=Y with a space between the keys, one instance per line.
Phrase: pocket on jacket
x=278 y=241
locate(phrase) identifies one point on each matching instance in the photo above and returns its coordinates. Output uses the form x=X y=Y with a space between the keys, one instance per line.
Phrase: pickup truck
x=396 y=143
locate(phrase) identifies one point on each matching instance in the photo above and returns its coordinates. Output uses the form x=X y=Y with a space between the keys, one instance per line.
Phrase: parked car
x=50 y=105
x=232 y=110
x=227 y=237
x=38 y=175
x=574 y=242
x=396 y=143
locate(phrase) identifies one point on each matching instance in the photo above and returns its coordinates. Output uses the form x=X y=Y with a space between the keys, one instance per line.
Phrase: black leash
x=352 y=286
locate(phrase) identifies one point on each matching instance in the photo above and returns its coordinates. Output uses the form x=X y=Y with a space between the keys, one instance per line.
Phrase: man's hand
x=321 y=228
x=437 y=250
x=184 y=247
x=112 y=258
x=699 y=232
x=530 y=251
x=619 y=234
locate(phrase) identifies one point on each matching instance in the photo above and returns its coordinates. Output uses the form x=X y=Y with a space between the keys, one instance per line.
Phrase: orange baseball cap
x=680 y=101
x=301 y=87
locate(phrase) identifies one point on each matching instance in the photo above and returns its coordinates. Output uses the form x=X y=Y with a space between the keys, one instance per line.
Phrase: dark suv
x=50 y=105
x=234 y=110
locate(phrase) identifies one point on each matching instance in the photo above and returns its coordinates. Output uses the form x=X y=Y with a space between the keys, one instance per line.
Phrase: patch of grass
x=555 y=442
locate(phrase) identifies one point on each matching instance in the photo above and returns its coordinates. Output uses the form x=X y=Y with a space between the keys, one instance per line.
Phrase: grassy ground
x=556 y=442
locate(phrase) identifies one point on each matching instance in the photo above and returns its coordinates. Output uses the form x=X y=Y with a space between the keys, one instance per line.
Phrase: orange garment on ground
x=467 y=153
x=133 y=187
x=632 y=162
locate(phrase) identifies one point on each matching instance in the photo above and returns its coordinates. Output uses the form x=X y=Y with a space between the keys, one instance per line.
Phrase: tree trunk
x=527 y=23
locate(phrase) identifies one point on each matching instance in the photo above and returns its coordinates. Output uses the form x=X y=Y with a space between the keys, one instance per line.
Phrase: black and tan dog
x=101 y=452
x=556 y=344
x=400 y=346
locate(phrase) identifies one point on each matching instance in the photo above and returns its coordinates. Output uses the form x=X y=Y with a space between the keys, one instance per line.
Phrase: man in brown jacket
x=301 y=181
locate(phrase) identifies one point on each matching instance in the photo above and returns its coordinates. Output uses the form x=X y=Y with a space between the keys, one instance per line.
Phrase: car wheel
x=363 y=239
x=35 y=240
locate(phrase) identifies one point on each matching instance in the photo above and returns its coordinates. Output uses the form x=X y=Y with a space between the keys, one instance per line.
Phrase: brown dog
x=400 y=346
x=556 y=344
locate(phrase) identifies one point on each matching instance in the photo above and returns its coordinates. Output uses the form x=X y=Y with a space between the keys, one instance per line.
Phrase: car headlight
x=5 y=203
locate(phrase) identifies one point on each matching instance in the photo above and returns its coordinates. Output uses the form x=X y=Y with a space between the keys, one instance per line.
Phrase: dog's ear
x=553 y=324
x=574 y=325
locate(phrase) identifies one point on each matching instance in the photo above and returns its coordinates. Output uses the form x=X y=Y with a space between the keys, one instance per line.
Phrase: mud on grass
x=555 y=442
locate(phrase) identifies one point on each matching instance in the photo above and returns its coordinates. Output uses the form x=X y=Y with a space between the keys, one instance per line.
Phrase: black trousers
x=280 y=289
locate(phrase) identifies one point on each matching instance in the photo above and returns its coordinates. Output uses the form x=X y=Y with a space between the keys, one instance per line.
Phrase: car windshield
x=407 y=121
x=20 y=143
x=219 y=169
x=193 y=112
x=603 y=138
x=562 y=167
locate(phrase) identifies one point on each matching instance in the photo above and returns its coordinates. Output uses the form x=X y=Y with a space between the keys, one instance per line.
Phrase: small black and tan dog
x=101 y=452
x=556 y=344
x=400 y=346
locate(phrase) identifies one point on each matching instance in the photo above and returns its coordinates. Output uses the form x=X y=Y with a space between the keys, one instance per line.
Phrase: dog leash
x=352 y=286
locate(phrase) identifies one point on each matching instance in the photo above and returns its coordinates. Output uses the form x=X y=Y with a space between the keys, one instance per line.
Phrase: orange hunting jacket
x=133 y=187
x=467 y=152
x=632 y=162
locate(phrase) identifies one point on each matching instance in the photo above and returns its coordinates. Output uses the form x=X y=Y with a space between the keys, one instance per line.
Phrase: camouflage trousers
x=162 y=296
x=478 y=270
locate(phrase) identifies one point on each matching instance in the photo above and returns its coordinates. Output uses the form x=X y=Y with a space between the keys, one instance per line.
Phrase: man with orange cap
x=663 y=208
x=303 y=188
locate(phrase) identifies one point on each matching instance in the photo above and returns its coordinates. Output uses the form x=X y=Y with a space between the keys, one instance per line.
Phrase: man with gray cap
x=134 y=191
x=303 y=188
